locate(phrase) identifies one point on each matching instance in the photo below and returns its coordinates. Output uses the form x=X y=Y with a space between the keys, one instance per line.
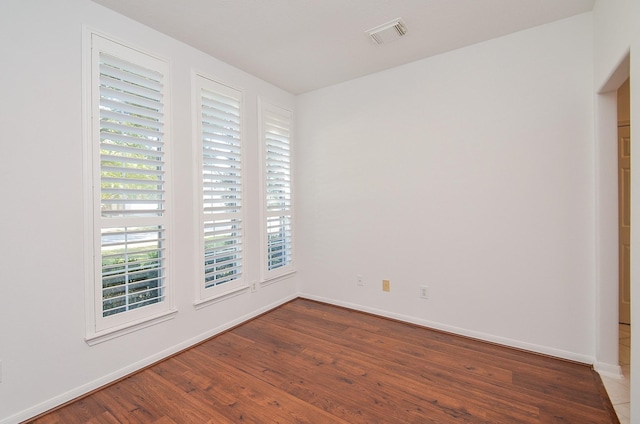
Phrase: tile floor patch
x=618 y=389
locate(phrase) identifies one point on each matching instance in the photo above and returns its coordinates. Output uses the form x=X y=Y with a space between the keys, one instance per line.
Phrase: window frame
x=208 y=295
x=101 y=327
x=269 y=276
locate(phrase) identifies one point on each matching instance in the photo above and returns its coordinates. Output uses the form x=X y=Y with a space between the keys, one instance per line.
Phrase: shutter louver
x=278 y=241
x=132 y=185
x=222 y=224
x=277 y=162
x=131 y=155
x=132 y=268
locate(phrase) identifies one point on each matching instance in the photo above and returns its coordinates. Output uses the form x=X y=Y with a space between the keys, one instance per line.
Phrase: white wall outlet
x=254 y=287
x=424 y=292
x=359 y=280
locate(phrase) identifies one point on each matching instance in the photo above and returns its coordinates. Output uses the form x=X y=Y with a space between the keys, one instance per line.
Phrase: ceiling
x=303 y=45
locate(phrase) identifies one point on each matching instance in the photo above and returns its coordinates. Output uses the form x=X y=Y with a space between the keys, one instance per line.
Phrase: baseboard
x=137 y=366
x=609 y=370
x=517 y=344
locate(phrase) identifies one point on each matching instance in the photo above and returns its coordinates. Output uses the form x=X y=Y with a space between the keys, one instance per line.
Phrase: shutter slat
x=117 y=280
x=131 y=202
x=129 y=91
x=125 y=110
x=228 y=272
x=278 y=140
x=213 y=104
x=130 y=67
x=126 y=142
x=126 y=128
x=139 y=252
x=145 y=122
x=128 y=162
x=224 y=180
x=230 y=240
x=157 y=181
x=277 y=123
x=209 y=209
x=111 y=170
x=223 y=187
x=214 y=228
x=278 y=151
x=112 y=76
x=132 y=150
x=221 y=159
x=127 y=101
x=218 y=125
x=113 y=139
x=219 y=141
x=219 y=261
x=118 y=213
x=210 y=282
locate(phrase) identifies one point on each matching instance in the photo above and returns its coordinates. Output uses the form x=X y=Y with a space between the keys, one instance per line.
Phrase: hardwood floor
x=308 y=362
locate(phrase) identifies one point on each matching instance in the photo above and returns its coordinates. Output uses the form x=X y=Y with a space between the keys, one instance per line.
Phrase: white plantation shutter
x=219 y=129
x=276 y=147
x=130 y=173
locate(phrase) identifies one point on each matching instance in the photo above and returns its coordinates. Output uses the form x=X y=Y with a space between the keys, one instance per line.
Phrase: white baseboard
x=123 y=372
x=518 y=344
x=609 y=370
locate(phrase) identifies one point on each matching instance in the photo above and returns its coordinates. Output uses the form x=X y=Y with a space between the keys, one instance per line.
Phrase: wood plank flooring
x=308 y=362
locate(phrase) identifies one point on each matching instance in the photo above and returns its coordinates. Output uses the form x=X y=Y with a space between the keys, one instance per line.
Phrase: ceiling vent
x=388 y=32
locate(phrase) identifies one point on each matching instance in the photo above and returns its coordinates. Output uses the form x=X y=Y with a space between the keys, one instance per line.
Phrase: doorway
x=624 y=202
x=619 y=389
x=610 y=334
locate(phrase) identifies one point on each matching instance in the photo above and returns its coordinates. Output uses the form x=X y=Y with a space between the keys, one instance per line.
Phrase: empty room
x=319 y=211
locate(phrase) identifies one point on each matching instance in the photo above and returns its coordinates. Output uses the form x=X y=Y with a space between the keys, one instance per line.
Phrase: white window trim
x=97 y=328
x=268 y=277
x=211 y=295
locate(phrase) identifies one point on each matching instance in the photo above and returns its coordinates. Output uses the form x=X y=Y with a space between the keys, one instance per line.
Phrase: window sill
x=271 y=280
x=202 y=303
x=112 y=333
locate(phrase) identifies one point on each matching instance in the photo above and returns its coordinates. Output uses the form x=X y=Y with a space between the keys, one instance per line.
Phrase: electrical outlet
x=359 y=280
x=386 y=285
x=424 y=292
x=254 y=287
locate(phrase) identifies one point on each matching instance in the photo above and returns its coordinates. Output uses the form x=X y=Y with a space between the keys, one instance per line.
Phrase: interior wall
x=45 y=360
x=470 y=173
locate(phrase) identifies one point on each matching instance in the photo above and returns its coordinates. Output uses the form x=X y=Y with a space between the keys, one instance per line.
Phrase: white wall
x=45 y=360
x=471 y=172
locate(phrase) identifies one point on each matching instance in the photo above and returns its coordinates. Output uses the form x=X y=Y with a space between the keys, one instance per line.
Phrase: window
x=277 y=234
x=219 y=146
x=128 y=179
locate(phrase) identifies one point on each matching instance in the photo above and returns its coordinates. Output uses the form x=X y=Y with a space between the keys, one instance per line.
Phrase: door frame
x=606 y=223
